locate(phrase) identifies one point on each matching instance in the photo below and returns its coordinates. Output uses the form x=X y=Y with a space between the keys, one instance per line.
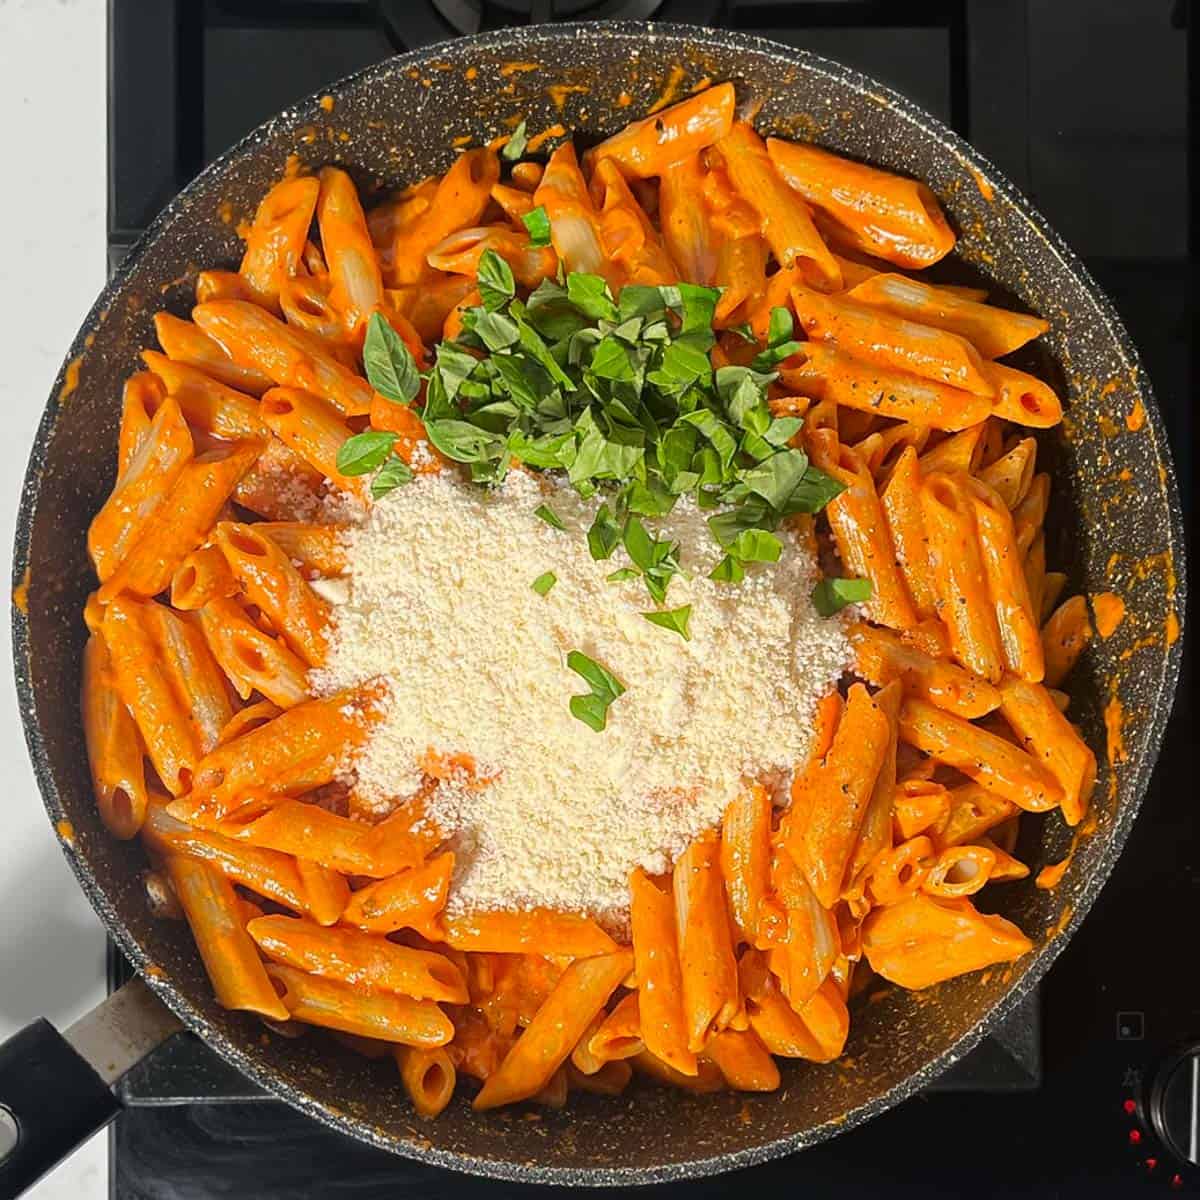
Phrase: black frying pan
x=390 y=125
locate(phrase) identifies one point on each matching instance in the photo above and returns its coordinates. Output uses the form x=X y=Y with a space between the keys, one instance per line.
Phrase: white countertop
x=52 y=264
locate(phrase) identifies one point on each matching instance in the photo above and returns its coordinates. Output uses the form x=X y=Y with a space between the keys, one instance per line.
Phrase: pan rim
x=928 y=127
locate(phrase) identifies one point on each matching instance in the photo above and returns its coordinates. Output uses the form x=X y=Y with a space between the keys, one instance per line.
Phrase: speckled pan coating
x=1115 y=526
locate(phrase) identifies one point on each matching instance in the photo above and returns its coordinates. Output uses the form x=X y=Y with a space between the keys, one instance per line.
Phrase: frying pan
x=1114 y=526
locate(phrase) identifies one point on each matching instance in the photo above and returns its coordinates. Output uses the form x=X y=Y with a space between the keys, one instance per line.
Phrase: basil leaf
x=605 y=534
x=699 y=305
x=773 y=355
x=778 y=477
x=622 y=574
x=364 y=452
x=495 y=330
x=756 y=545
x=638 y=300
x=464 y=442
x=650 y=499
x=675 y=619
x=613 y=359
x=515 y=146
x=394 y=472
x=605 y=687
x=590 y=295
x=813 y=492
x=832 y=595
x=544 y=582
x=454 y=365
x=744 y=331
x=537 y=222
x=496 y=284
x=547 y=451
x=782 y=430
x=779 y=326
x=728 y=570
x=549 y=516
x=639 y=545
x=391 y=369
x=551 y=313
x=717 y=433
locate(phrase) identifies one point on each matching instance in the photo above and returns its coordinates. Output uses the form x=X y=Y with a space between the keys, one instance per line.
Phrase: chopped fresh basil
x=364 y=452
x=391 y=369
x=515 y=146
x=496 y=285
x=548 y=515
x=831 y=595
x=537 y=222
x=675 y=619
x=728 y=570
x=779 y=341
x=592 y=709
x=623 y=575
x=605 y=534
x=394 y=472
x=544 y=582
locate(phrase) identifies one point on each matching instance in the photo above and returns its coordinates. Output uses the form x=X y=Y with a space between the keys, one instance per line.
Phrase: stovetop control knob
x=1175 y=1103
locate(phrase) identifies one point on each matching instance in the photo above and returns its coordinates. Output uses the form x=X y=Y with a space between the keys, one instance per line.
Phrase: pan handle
x=56 y=1089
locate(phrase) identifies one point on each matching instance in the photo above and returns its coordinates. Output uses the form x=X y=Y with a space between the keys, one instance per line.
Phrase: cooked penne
x=1051 y=739
x=1016 y=614
x=919 y=806
x=831 y=797
x=973 y=811
x=458 y=200
x=192 y=672
x=878 y=213
x=993 y=331
x=251 y=659
x=746 y=858
x=619 y=1034
x=875 y=831
x=382 y=1015
x=960 y=580
x=114 y=746
x=1011 y=474
x=254 y=338
x=170 y=736
x=863 y=537
x=743 y=1061
x=275 y=242
x=959 y=871
x=412 y=899
x=706 y=962
x=181 y=521
x=786 y=222
x=990 y=761
x=164 y=450
x=1065 y=634
x=900 y=498
x=893 y=343
x=1021 y=397
x=141 y=398
x=925 y=939
x=655 y=143
x=298 y=751
x=574 y=224
x=203 y=575
x=359 y=958
x=214 y=914
x=313 y=429
x=687 y=230
x=656 y=959
x=537 y=930
x=208 y=405
x=183 y=342
x=357 y=282
x=961 y=452
x=460 y=253
x=429 y=1078
x=271 y=582
x=881 y=656
x=628 y=233
x=582 y=991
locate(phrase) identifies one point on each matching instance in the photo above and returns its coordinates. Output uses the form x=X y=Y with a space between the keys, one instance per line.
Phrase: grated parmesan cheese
x=440 y=604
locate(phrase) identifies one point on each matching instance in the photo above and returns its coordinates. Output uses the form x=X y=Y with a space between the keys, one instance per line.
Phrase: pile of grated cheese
x=440 y=604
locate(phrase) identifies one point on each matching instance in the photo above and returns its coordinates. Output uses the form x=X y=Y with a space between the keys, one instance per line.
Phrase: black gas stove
x=1083 y=104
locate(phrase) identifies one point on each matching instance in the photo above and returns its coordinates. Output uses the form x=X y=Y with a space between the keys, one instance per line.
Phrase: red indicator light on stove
x=1130 y=1106
x=1177 y=1181
x=1135 y=1136
x=1151 y=1164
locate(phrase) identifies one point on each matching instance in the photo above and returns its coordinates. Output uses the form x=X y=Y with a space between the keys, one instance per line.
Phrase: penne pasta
x=830 y=373
x=574 y=225
x=429 y=1077
x=534 y=930
x=114 y=746
x=182 y=342
x=412 y=899
x=459 y=254
x=356 y=289
x=990 y=761
x=381 y=1015
x=876 y=212
x=743 y=1061
x=208 y=405
x=359 y=958
x=655 y=143
x=1065 y=634
x=993 y=331
x=214 y=915
x=203 y=575
x=313 y=429
x=785 y=220
x=746 y=858
x=893 y=343
x=580 y=993
x=276 y=239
